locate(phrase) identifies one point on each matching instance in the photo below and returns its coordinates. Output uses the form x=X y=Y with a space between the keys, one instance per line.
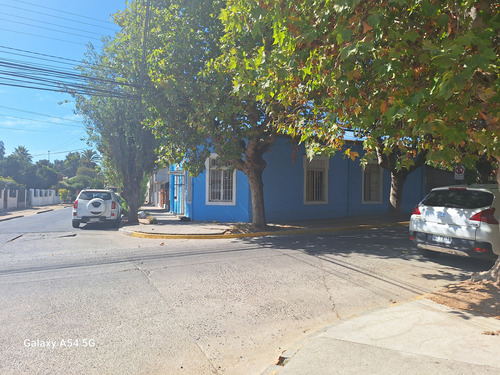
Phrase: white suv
x=459 y=220
x=97 y=206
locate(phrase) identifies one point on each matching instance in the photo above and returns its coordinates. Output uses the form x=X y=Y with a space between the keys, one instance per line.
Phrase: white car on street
x=459 y=220
x=97 y=206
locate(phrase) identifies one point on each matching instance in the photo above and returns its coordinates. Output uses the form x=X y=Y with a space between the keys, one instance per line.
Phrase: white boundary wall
x=8 y=198
x=43 y=197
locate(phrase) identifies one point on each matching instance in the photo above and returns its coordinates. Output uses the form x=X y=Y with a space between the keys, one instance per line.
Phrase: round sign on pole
x=459 y=172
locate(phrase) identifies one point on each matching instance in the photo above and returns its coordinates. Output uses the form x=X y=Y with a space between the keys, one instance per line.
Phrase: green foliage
x=7 y=180
x=22 y=153
x=19 y=169
x=86 y=171
x=64 y=194
x=182 y=40
x=196 y=104
x=420 y=75
x=46 y=177
x=69 y=165
x=89 y=158
x=115 y=113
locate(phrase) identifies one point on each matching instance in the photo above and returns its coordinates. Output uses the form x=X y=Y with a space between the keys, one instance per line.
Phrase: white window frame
x=380 y=187
x=319 y=164
x=208 y=170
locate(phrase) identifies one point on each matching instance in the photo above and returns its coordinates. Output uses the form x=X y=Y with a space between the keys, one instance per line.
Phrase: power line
x=66 y=144
x=41 y=121
x=61 y=152
x=37 y=56
x=49 y=29
x=21 y=68
x=40 y=54
x=29 y=130
x=48 y=23
x=44 y=37
x=61 y=11
x=37 y=113
x=62 y=62
x=30 y=76
x=65 y=18
x=51 y=73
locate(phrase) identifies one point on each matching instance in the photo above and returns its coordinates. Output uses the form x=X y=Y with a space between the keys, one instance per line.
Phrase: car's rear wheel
x=116 y=223
x=76 y=223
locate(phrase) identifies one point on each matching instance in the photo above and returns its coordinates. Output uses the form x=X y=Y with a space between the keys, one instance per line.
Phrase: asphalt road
x=95 y=301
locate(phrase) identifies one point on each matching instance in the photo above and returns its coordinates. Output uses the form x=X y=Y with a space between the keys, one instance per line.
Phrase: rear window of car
x=458 y=198
x=88 y=195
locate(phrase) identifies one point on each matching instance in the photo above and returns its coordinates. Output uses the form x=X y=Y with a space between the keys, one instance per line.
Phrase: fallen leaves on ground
x=481 y=297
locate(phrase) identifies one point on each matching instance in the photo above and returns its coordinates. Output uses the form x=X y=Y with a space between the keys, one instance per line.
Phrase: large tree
x=326 y=60
x=198 y=109
x=69 y=165
x=415 y=78
x=89 y=158
x=22 y=153
x=114 y=112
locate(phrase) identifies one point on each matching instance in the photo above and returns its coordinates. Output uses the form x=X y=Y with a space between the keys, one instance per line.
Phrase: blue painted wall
x=284 y=187
x=284 y=190
x=241 y=212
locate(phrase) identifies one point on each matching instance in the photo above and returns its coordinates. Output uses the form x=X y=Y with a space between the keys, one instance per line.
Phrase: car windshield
x=458 y=198
x=88 y=195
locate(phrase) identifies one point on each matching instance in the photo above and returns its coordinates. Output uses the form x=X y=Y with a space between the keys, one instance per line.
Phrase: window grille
x=220 y=181
x=372 y=184
x=316 y=180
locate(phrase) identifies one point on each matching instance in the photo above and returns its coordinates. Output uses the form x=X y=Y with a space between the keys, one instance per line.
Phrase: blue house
x=295 y=188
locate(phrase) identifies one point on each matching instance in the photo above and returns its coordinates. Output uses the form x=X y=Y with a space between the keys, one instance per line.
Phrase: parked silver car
x=459 y=220
x=97 y=206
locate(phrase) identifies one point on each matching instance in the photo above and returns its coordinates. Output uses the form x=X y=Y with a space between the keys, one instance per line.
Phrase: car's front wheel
x=76 y=223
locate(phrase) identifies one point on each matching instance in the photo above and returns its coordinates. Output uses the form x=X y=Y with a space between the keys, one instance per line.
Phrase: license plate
x=93 y=220
x=441 y=239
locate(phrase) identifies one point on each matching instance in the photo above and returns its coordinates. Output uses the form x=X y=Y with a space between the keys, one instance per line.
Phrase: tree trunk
x=253 y=166
x=389 y=161
x=396 y=195
x=494 y=273
x=131 y=195
x=254 y=175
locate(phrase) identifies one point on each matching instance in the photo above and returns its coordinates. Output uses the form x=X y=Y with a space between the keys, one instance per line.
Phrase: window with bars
x=221 y=182
x=372 y=184
x=316 y=180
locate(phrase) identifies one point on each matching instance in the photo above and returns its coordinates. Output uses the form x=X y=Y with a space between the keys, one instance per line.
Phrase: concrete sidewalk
x=416 y=337
x=171 y=226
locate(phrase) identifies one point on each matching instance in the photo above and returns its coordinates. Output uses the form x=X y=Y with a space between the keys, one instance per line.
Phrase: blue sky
x=52 y=33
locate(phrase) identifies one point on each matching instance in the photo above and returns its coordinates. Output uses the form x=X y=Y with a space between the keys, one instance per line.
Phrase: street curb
x=288 y=354
x=38 y=212
x=140 y=234
x=10 y=218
